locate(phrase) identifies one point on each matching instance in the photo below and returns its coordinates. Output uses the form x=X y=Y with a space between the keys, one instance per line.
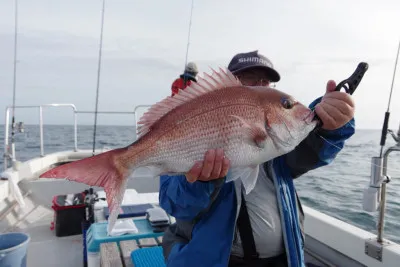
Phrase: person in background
x=219 y=225
x=185 y=79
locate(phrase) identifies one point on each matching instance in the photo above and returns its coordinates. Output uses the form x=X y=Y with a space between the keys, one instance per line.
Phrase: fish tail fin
x=107 y=170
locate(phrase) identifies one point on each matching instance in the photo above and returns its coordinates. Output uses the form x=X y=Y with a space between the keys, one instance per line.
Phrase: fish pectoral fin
x=256 y=133
x=152 y=170
x=235 y=173
x=248 y=176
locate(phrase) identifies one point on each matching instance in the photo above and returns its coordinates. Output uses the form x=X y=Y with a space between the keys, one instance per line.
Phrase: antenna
x=98 y=77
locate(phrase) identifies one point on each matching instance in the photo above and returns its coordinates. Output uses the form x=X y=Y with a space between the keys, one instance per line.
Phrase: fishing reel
x=91 y=198
x=20 y=127
x=396 y=137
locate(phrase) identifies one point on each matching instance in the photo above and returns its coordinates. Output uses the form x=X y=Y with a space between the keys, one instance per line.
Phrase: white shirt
x=262 y=207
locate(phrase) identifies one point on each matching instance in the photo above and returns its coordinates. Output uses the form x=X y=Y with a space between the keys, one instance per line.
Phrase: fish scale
x=251 y=124
x=202 y=133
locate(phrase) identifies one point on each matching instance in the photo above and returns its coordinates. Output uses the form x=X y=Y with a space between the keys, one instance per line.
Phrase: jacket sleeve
x=319 y=148
x=175 y=87
x=185 y=200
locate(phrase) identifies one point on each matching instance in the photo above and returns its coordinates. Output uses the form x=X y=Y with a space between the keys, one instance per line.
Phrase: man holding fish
x=226 y=140
x=218 y=224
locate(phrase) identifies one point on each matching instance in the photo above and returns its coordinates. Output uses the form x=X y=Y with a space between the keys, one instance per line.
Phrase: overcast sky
x=309 y=43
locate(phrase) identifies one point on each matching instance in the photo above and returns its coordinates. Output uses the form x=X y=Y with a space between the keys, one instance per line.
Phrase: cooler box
x=69 y=212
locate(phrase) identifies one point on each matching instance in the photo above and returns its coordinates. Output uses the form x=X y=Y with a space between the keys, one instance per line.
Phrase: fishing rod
x=374 y=196
x=188 y=40
x=14 y=80
x=387 y=113
x=90 y=196
x=98 y=77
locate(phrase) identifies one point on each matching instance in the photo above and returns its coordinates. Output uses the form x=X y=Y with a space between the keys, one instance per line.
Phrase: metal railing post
x=41 y=130
x=6 y=150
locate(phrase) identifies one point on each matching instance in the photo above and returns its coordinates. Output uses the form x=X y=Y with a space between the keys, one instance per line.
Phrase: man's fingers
x=208 y=165
x=225 y=167
x=334 y=113
x=336 y=108
x=193 y=174
x=330 y=86
x=324 y=116
x=219 y=158
x=340 y=96
x=214 y=166
x=342 y=106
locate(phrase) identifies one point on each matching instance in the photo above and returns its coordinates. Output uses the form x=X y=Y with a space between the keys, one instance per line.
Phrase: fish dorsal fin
x=217 y=80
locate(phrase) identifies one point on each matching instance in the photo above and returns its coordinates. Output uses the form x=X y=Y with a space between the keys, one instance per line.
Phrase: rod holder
x=372 y=194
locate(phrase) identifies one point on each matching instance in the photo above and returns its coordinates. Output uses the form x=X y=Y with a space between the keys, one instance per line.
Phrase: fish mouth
x=311 y=117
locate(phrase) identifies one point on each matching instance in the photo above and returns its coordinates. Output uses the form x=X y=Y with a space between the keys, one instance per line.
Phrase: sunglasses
x=253 y=79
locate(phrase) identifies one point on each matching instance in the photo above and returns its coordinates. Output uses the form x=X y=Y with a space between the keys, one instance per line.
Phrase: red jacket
x=179 y=84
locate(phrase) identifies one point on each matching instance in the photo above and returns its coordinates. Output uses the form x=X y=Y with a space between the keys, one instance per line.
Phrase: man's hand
x=335 y=109
x=214 y=166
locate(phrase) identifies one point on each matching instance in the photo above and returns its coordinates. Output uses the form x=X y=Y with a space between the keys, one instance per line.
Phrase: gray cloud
x=145 y=47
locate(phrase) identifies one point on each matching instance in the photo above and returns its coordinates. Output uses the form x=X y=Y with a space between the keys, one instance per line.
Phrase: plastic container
x=129 y=211
x=146 y=257
x=13 y=249
x=97 y=234
x=68 y=217
x=85 y=227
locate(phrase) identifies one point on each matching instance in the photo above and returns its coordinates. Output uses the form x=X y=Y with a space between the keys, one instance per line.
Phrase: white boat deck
x=46 y=249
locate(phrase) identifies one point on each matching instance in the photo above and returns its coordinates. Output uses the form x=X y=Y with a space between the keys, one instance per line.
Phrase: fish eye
x=287 y=103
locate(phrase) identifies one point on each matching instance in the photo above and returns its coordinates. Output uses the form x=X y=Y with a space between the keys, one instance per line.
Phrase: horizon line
x=127 y=125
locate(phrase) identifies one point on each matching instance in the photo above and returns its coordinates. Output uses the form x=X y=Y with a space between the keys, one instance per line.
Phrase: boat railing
x=9 y=149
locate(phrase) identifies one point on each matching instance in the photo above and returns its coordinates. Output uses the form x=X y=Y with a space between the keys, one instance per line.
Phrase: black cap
x=244 y=61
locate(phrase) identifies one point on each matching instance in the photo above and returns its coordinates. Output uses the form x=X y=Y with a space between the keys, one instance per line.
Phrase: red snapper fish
x=251 y=124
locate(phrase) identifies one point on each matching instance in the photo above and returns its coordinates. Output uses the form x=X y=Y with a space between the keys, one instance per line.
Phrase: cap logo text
x=255 y=59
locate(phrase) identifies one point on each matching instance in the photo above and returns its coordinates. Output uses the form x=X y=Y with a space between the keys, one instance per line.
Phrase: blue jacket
x=206 y=212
